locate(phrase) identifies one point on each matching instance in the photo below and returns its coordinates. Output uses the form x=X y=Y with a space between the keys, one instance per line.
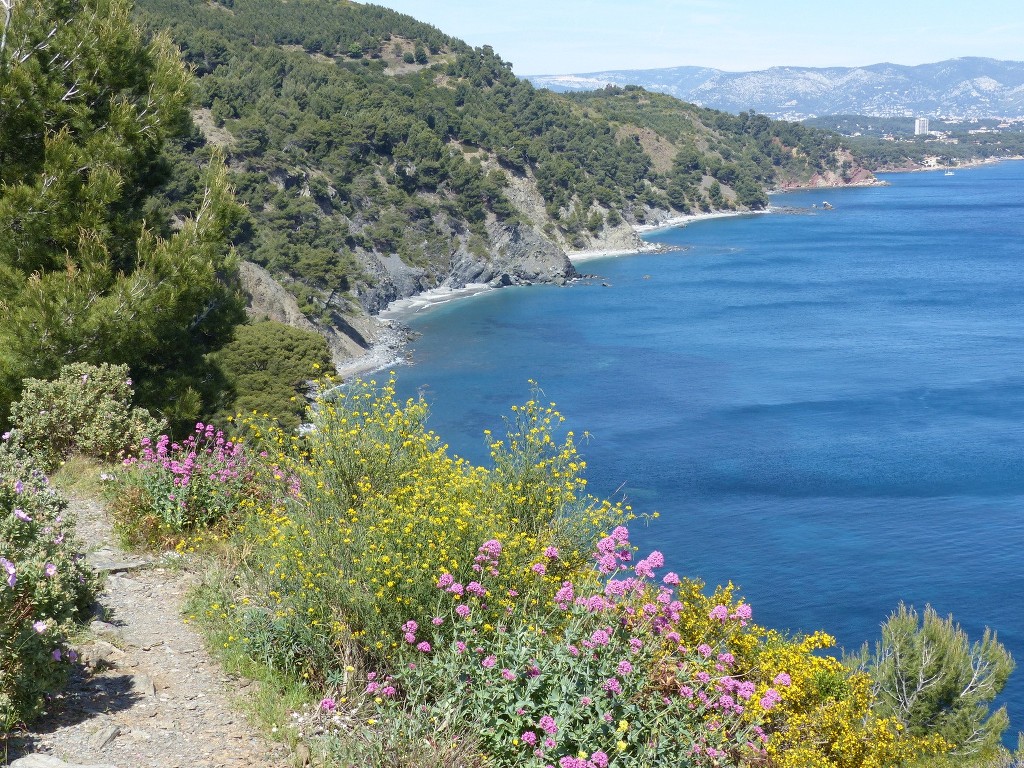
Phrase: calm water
x=826 y=407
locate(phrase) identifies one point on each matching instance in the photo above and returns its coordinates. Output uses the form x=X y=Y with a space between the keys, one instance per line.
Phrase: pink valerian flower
x=460 y=646
x=491 y=548
x=672 y=637
x=600 y=637
x=704 y=650
x=745 y=690
x=533 y=671
x=372 y=687
x=423 y=647
x=551 y=553
x=624 y=668
x=445 y=581
x=727 y=658
x=743 y=613
x=600 y=759
x=437 y=621
x=508 y=674
x=476 y=588
x=456 y=589
x=573 y=650
x=635 y=644
x=671 y=578
x=462 y=610
x=565 y=595
x=539 y=568
x=410 y=626
x=645 y=567
x=548 y=725
x=594 y=603
x=328 y=704
x=550 y=743
x=612 y=685
x=620 y=535
x=782 y=679
x=719 y=613
x=770 y=699
x=410 y=637
x=388 y=691
x=607 y=563
x=529 y=737
x=586 y=701
x=489 y=661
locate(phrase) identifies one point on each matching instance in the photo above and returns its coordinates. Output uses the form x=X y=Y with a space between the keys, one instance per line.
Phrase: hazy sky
x=562 y=36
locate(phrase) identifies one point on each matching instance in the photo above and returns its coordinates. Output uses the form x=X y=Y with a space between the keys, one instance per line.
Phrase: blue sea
x=826 y=407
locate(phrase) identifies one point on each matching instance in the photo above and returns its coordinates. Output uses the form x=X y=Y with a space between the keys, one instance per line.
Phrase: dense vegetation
x=745 y=152
x=354 y=132
x=418 y=611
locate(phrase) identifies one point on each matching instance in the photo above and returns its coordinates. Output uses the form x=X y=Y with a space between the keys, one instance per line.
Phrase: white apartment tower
x=921 y=126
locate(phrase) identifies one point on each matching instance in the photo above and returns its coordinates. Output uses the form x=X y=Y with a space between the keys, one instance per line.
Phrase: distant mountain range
x=957 y=88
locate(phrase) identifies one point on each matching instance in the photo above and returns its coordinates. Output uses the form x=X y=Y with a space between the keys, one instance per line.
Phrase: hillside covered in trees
x=379 y=157
x=374 y=157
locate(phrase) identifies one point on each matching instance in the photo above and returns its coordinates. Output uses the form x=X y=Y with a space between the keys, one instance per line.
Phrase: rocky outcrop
x=267 y=299
x=350 y=334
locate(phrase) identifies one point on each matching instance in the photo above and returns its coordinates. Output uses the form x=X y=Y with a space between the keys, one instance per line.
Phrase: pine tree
x=86 y=104
x=933 y=680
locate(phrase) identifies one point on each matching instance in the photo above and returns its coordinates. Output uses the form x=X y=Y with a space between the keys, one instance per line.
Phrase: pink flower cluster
x=613 y=550
x=382 y=687
x=207 y=451
x=721 y=613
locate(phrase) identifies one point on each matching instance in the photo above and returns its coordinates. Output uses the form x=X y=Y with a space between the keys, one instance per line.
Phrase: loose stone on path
x=146 y=694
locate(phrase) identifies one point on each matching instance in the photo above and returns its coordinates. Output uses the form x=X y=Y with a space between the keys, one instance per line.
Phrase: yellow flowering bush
x=364 y=532
x=368 y=507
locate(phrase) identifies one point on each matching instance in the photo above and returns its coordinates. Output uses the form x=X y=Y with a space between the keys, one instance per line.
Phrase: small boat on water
x=826 y=205
x=949 y=173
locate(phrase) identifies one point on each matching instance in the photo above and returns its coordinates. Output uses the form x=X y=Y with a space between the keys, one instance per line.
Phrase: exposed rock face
x=268 y=299
x=525 y=255
x=349 y=334
x=518 y=254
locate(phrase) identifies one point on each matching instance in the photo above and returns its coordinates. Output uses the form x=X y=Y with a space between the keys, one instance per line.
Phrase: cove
x=826 y=407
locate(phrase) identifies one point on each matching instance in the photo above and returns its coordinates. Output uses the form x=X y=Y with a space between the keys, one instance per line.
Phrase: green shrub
x=45 y=588
x=268 y=366
x=86 y=410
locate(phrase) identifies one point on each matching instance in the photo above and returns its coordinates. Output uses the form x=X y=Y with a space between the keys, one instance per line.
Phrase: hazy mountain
x=966 y=87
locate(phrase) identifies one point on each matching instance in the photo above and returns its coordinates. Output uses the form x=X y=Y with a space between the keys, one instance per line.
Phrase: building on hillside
x=921 y=126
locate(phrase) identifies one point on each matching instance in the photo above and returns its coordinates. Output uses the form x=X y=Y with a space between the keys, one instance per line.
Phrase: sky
x=543 y=37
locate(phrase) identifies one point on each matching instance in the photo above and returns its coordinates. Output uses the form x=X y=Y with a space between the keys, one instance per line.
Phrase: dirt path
x=147 y=695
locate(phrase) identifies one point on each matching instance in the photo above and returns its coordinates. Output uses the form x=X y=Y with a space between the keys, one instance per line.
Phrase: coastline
x=392 y=334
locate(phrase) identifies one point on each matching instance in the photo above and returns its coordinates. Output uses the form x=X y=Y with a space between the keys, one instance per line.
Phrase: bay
x=825 y=407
